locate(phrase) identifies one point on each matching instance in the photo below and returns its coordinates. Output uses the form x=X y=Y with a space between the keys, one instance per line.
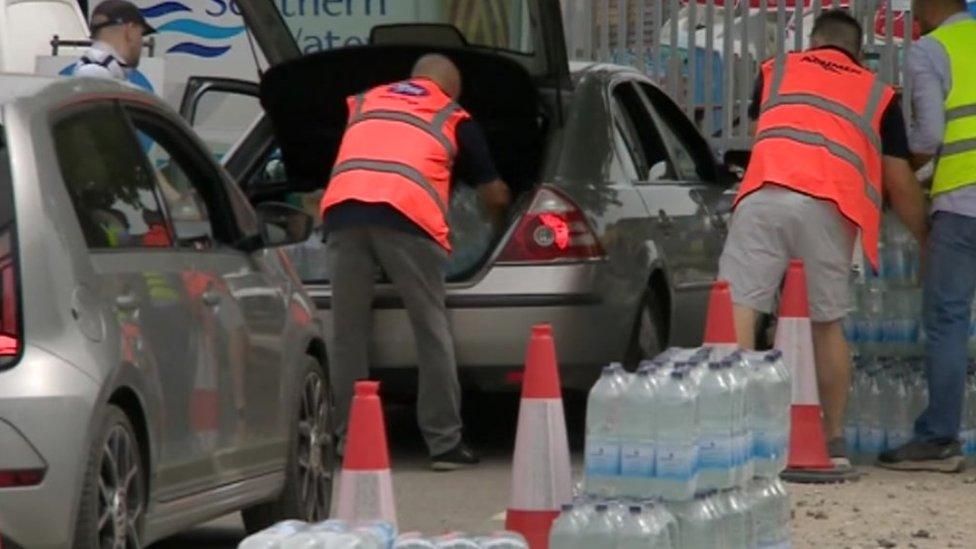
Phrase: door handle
x=211 y=298
x=127 y=302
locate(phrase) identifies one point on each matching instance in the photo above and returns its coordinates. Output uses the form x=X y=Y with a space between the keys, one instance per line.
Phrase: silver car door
x=675 y=209
x=140 y=277
x=239 y=300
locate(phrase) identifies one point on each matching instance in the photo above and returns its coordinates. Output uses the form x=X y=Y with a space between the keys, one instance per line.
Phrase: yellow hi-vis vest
x=956 y=166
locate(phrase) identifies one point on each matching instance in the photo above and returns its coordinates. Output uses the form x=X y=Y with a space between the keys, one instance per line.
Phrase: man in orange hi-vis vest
x=830 y=143
x=386 y=205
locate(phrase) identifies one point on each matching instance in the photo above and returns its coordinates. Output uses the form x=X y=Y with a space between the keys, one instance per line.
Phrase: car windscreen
x=498 y=25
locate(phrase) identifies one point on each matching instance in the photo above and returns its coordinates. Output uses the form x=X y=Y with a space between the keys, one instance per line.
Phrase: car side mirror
x=283 y=224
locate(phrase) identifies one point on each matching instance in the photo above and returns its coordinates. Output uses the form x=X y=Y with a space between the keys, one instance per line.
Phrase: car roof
x=15 y=86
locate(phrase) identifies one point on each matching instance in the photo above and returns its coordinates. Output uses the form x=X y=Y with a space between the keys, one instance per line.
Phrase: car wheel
x=113 y=496
x=647 y=339
x=307 y=494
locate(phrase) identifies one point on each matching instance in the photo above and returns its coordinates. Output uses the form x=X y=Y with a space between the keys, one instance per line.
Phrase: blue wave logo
x=193 y=28
x=163 y=8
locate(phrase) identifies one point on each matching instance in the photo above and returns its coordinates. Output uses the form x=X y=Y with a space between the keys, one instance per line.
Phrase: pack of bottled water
x=887 y=395
x=330 y=534
x=460 y=540
x=757 y=515
x=687 y=422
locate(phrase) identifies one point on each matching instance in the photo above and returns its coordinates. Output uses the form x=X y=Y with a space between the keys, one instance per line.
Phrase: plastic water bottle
x=455 y=540
x=315 y=535
x=740 y=525
x=642 y=530
x=504 y=540
x=676 y=464
x=697 y=523
x=871 y=432
x=969 y=416
x=738 y=376
x=851 y=414
x=271 y=538
x=771 y=511
x=769 y=412
x=899 y=423
x=716 y=412
x=637 y=434
x=872 y=312
x=602 y=461
x=668 y=522
x=599 y=532
x=567 y=530
x=376 y=535
x=413 y=540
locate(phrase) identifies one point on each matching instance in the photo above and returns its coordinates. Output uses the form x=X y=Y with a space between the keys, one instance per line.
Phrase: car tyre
x=307 y=494
x=648 y=337
x=113 y=497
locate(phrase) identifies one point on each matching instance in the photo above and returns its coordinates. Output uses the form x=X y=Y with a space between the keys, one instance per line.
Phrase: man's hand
x=497 y=198
x=907 y=199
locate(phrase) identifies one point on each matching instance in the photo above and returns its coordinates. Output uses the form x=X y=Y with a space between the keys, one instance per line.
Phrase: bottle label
x=716 y=451
x=676 y=462
x=871 y=440
x=769 y=444
x=637 y=460
x=602 y=457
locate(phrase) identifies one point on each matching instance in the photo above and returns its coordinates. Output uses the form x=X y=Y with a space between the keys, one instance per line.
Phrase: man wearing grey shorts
x=800 y=217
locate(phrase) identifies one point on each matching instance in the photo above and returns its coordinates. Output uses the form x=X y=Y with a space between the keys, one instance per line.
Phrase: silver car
x=160 y=363
x=621 y=206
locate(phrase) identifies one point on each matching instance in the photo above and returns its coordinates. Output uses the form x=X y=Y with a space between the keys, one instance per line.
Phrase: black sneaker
x=459 y=457
x=924 y=456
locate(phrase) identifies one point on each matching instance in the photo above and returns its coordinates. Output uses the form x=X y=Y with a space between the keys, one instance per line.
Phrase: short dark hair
x=838 y=28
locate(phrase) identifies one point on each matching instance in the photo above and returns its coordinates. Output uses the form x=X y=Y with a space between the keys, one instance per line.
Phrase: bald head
x=930 y=14
x=441 y=70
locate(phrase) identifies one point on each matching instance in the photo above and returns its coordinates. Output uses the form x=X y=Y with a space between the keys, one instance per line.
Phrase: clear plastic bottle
x=642 y=530
x=413 y=540
x=318 y=535
x=769 y=412
x=871 y=432
x=852 y=412
x=637 y=432
x=676 y=465
x=600 y=531
x=602 y=458
x=376 y=535
x=697 y=523
x=738 y=376
x=899 y=423
x=270 y=538
x=667 y=520
x=455 y=540
x=716 y=414
x=567 y=530
x=504 y=540
x=969 y=417
x=740 y=530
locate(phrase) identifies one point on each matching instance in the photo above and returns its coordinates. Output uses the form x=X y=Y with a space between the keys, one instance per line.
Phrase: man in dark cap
x=117 y=28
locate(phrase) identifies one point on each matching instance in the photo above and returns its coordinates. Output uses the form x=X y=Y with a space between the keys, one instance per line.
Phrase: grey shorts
x=773 y=225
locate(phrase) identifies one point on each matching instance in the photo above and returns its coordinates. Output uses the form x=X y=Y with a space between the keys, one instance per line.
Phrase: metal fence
x=706 y=53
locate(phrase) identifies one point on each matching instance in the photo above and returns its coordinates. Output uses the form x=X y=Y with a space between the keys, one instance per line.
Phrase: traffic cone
x=720 y=332
x=365 y=483
x=541 y=480
x=808 y=460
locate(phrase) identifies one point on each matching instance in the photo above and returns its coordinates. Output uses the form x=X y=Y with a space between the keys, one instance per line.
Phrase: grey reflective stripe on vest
x=435 y=127
x=864 y=124
x=840 y=151
x=395 y=168
x=960 y=112
x=966 y=145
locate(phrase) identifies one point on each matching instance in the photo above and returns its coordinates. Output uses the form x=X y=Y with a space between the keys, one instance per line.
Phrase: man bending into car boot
x=386 y=206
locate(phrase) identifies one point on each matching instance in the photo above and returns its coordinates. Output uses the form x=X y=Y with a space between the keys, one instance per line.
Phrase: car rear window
x=6 y=187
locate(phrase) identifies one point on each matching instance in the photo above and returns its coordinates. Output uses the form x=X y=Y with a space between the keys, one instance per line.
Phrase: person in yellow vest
x=942 y=68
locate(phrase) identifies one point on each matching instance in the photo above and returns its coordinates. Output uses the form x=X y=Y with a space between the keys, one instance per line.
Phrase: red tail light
x=21 y=478
x=554 y=229
x=9 y=303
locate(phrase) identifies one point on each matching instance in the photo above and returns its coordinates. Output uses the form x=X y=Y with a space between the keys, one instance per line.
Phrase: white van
x=22 y=39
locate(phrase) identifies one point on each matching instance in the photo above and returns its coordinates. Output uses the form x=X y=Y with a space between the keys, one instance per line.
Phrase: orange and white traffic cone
x=720 y=332
x=541 y=478
x=808 y=460
x=365 y=482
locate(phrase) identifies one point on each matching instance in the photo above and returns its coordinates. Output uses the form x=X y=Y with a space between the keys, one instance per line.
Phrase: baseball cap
x=118 y=12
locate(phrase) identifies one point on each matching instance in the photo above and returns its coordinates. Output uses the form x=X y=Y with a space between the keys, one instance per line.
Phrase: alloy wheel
x=314 y=450
x=120 y=492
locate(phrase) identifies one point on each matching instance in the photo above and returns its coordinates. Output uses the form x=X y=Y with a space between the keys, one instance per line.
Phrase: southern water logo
x=192 y=27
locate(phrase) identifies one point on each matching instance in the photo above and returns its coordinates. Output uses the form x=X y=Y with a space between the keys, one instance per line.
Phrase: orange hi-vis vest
x=819 y=134
x=399 y=149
